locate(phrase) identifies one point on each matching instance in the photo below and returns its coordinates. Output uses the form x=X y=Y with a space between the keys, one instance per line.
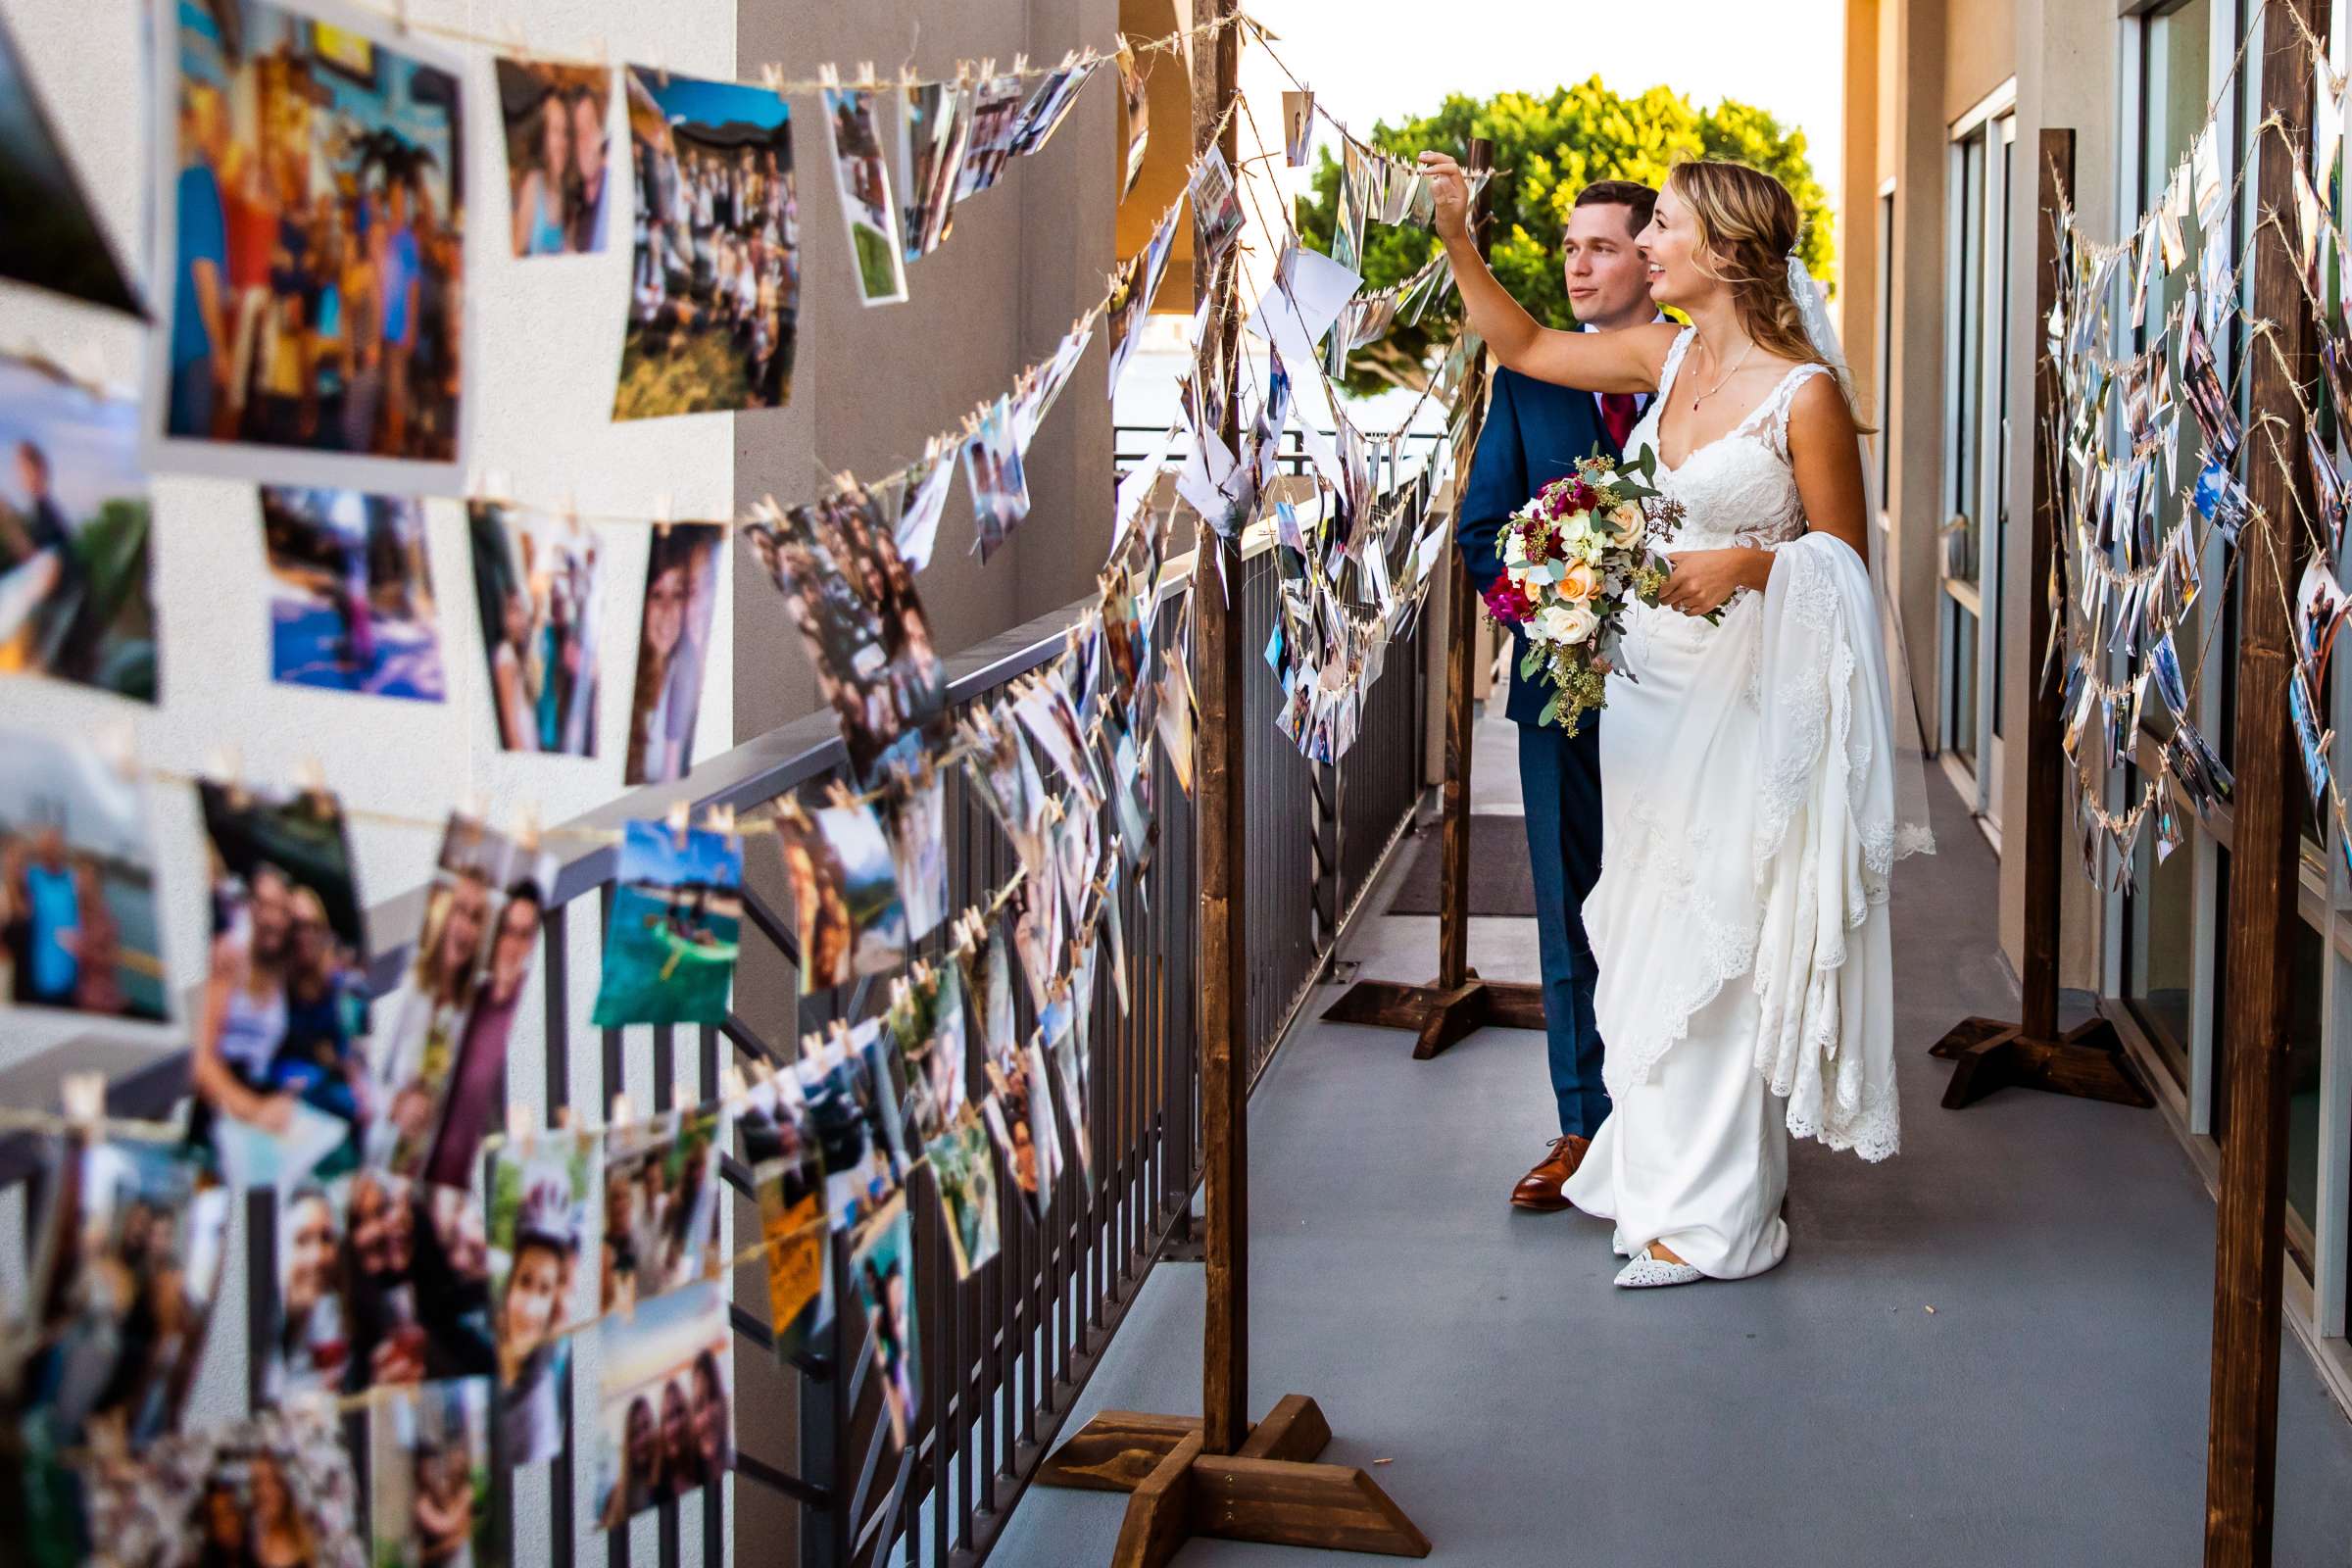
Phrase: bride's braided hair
x=1749 y=226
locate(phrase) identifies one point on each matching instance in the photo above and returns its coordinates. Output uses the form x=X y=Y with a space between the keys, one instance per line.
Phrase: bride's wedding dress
x=1749 y=832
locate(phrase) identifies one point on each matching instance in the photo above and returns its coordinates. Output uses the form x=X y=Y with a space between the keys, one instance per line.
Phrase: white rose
x=1514 y=549
x=1575 y=622
x=1552 y=623
x=1628 y=521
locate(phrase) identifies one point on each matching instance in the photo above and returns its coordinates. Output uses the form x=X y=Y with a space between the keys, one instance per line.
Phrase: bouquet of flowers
x=1574 y=557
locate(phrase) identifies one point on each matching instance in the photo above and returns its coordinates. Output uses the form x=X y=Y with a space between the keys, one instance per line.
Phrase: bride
x=1748 y=818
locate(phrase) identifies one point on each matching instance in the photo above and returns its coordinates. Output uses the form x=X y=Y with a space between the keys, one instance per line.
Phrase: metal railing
x=1131 y=443
x=1004 y=1353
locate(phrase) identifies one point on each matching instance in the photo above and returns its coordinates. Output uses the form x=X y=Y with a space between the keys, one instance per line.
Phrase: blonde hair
x=1749 y=226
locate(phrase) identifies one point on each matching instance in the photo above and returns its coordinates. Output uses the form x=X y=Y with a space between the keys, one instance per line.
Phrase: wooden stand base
x=1270 y=1491
x=2087 y=1061
x=1439 y=1015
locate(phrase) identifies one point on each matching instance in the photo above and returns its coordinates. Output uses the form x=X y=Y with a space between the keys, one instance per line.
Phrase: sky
x=1371 y=58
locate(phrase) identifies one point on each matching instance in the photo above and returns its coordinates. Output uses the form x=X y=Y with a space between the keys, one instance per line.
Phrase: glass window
x=1961 y=718
x=2160 y=967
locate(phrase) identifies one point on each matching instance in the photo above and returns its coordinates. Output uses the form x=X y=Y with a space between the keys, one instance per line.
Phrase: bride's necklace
x=1726 y=376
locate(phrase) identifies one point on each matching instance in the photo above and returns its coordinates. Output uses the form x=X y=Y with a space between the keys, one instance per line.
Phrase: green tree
x=1547 y=149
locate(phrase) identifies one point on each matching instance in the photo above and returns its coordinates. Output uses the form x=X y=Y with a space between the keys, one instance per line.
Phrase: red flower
x=1507 y=601
x=1581 y=497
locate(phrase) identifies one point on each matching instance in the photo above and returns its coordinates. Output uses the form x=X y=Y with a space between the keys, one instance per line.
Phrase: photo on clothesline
x=278 y=1489
x=716 y=274
x=470 y=1091
x=853 y=1105
x=413 y=1052
x=781 y=1146
x=925 y=1023
x=1136 y=107
x=538 y=590
x=994 y=470
x=1178 y=719
x=1019 y=1115
x=853 y=599
x=80 y=928
x=661 y=1208
x=673 y=649
x=935 y=126
x=964 y=1163
x=2310 y=740
x=924 y=500
x=1298 y=125
x=2320 y=610
x=1000 y=766
x=49 y=236
x=539 y=1197
x=74 y=597
x=351 y=595
x=665 y=1428
x=431 y=1477
x=382 y=1282
x=314 y=210
x=996 y=109
x=1048 y=106
x=1058 y=1029
x=882 y=1269
x=1034 y=909
x=558 y=168
x=1216 y=206
x=115 y=1310
x=915 y=815
x=844 y=893
x=1044 y=707
x=1139 y=280
x=863 y=177
x=276 y=1065
x=677 y=919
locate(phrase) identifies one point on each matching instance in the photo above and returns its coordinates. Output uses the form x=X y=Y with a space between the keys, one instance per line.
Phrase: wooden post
x=1989 y=1054
x=1223 y=851
x=1219 y=1474
x=1457 y=1002
x=2241 y=1452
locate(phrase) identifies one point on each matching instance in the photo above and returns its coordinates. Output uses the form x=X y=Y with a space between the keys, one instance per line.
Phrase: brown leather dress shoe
x=1540 y=1189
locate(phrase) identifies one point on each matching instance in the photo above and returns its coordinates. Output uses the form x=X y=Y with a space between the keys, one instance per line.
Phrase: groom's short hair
x=1638 y=199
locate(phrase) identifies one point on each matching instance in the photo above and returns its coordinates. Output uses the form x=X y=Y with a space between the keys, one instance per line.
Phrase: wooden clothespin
x=83 y=1097
x=719 y=819
x=662 y=507
x=618 y=1114
x=682 y=1096
x=526 y=827
x=310 y=775
x=771 y=76
x=865 y=74
x=676 y=820
x=522 y=1128
x=732 y=1085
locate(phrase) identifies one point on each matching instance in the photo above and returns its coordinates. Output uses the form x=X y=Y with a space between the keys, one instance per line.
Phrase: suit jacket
x=1535 y=434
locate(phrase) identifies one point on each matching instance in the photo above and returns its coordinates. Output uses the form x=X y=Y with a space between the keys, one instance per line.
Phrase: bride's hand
x=1450 y=189
x=1704 y=580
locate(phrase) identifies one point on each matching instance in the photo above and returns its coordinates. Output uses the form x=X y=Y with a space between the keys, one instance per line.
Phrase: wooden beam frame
x=1217 y=1474
x=1458 y=1003
x=1989 y=1054
x=2242 y=1455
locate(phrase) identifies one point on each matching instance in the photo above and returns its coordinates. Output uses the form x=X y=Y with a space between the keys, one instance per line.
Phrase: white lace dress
x=1748 y=837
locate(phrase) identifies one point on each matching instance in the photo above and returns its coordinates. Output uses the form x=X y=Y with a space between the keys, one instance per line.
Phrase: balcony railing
x=1004 y=1353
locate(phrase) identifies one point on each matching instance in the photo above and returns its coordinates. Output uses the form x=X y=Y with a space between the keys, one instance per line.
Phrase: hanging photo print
x=916 y=817
x=1042 y=116
x=430 y=1476
x=313 y=217
x=993 y=467
x=996 y=106
x=882 y=1269
x=559 y=188
x=716 y=278
x=934 y=128
x=1298 y=125
x=854 y=1115
x=351 y=594
x=853 y=599
x=539 y=1200
x=78 y=877
x=665 y=1428
x=276 y=1066
x=275 y=1488
x=538 y=589
x=48 y=235
x=74 y=600
x=965 y=1169
x=780 y=1145
x=926 y=498
x=1138 y=285
x=116 y=1316
x=669 y=954
x=381 y=1283
x=660 y=1206
x=863 y=177
x=844 y=893
x=927 y=1026
x=1216 y=205
x=1136 y=105
x=673 y=649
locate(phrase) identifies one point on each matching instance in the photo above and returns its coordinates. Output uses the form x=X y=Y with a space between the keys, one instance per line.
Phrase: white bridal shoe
x=1617 y=1244
x=1648 y=1271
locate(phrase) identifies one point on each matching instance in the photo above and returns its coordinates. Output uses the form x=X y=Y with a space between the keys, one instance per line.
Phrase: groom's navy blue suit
x=1535 y=434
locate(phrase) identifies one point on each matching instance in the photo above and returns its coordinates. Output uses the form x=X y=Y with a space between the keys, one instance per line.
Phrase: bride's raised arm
x=1828 y=463
x=1596 y=361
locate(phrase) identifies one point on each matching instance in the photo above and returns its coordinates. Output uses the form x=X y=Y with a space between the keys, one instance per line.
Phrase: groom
x=1533 y=434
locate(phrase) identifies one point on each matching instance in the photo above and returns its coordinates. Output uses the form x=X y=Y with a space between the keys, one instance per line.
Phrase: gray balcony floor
x=2049 y=1410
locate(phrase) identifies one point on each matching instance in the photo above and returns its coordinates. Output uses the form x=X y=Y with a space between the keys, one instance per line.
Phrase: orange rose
x=1579 y=583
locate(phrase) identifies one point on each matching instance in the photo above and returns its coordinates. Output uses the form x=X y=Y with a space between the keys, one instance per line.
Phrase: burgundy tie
x=1617 y=412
